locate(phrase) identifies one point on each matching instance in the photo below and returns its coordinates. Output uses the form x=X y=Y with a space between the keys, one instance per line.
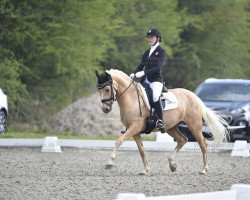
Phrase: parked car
x=230 y=97
x=3 y=112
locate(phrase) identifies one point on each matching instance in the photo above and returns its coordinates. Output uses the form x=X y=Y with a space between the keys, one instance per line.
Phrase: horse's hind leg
x=197 y=133
x=138 y=141
x=203 y=146
x=181 y=141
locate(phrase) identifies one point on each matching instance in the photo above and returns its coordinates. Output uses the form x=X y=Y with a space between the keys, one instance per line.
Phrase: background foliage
x=49 y=49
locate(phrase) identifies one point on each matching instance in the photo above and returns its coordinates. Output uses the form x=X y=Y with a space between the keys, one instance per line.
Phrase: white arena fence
x=109 y=144
x=237 y=192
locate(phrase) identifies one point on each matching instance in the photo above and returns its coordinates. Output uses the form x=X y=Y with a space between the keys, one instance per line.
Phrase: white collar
x=153 y=48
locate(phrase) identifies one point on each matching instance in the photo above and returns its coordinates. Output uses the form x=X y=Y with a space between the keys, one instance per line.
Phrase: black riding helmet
x=154 y=32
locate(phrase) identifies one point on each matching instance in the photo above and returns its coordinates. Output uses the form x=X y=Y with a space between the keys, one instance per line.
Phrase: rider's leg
x=159 y=124
x=157 y=89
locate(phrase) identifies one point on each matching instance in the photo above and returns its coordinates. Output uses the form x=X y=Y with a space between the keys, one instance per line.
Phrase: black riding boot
x=159 y=123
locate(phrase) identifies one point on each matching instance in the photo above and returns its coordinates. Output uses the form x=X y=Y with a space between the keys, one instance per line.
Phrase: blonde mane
x=115 y=73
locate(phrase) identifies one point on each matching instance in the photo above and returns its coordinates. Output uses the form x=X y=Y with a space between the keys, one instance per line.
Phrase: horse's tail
x=216 y=124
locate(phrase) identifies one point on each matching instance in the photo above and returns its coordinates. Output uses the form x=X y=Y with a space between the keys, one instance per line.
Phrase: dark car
x=231 y=98
x=3 y=112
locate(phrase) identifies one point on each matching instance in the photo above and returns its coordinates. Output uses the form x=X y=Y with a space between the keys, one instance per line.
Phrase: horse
x=115 y=85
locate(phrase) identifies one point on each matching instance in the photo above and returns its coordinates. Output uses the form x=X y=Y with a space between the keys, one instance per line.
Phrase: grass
x=59 y=135
x=26 y=135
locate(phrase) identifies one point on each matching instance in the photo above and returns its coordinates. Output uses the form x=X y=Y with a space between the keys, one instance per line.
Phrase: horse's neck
x=128 y=94
x=125 y=91
x=122 y=85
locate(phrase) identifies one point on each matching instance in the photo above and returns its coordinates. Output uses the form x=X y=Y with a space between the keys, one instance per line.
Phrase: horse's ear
x=97 y=74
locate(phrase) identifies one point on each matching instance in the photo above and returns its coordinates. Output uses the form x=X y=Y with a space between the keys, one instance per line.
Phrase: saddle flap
x=170 y=100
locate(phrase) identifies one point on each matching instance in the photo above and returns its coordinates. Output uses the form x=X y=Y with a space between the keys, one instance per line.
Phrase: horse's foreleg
x=118 y=143
x=181 y=141
x=110 y=162
x=138 y=141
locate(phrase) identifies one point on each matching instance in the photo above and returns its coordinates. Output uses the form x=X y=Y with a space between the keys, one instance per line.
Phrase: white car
x=3 y=112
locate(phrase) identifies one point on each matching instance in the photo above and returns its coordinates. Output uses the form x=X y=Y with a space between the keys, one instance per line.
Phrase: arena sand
x=26 y=173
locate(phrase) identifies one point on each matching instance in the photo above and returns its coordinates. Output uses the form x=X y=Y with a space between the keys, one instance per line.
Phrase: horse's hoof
x=107 y=167
x=173 y=166
x=203 y=172
x=143 y=173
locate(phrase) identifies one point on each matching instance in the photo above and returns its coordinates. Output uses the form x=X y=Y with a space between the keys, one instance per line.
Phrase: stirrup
x=160 y=126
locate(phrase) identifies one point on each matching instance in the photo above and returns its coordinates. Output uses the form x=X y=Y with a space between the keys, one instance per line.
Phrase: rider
x=150 y=69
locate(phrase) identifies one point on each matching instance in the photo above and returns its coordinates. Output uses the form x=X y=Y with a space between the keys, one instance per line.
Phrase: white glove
x=132 y=75
x=139 y=74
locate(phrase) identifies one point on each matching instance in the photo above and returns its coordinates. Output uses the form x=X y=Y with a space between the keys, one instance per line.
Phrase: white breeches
x=157 y=89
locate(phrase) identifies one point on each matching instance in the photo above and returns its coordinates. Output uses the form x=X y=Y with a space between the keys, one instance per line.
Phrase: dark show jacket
x=153 y=65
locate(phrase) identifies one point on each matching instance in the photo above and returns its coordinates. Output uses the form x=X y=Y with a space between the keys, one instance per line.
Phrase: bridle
x=113 y=97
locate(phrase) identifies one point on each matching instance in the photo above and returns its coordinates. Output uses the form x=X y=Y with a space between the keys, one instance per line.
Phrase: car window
x=216 y=92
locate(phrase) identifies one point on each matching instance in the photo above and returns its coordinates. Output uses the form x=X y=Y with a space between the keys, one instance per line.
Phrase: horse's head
x=106 y=90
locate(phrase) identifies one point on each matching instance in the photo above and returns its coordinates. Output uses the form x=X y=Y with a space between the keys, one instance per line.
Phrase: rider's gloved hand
x=132 y=75
x=139 y=74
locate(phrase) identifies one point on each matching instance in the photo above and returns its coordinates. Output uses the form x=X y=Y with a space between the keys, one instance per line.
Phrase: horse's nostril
x=106 y=110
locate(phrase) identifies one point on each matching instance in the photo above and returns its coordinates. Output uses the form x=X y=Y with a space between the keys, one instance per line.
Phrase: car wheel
x=3 y=122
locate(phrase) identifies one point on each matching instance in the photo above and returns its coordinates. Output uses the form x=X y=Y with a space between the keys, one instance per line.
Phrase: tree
x=136 y=17
x=55 y=48
x=215 y=41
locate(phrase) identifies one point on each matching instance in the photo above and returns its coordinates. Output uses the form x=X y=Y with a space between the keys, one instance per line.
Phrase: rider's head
x=153 y=33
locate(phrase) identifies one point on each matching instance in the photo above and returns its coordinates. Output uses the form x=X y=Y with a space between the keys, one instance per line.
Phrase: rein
x=124 y=90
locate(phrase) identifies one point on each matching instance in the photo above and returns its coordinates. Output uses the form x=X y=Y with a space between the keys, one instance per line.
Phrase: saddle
x=168 y=100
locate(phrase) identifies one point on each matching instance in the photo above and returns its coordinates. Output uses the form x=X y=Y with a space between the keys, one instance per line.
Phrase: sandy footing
x=26 y=173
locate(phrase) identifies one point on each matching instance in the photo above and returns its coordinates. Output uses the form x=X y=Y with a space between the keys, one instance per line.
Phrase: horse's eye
x=107 y=90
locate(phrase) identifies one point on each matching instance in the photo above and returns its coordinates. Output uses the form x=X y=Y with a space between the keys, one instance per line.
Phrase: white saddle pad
x=169 y=98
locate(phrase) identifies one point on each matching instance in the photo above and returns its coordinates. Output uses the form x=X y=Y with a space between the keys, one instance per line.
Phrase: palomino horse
x=115 y=85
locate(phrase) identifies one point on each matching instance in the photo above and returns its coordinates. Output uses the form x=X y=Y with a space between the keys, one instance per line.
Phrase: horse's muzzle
x=106 y=109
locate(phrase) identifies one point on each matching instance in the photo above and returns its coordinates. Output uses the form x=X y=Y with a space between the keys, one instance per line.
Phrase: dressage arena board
x=109 y=144
x=78 y=173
